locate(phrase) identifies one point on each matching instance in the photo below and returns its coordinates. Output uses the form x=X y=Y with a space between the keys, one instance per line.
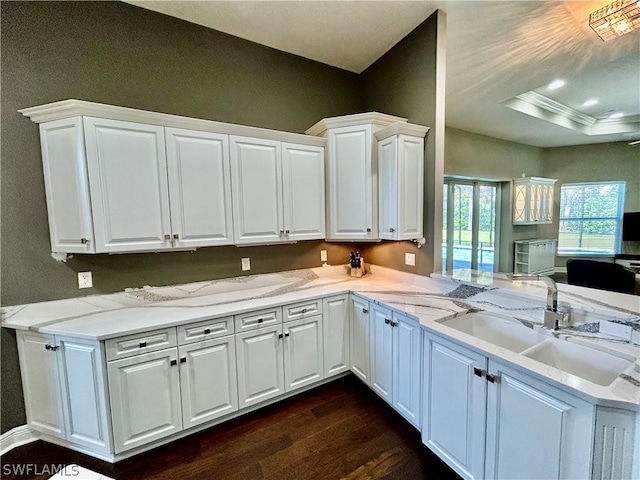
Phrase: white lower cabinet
x=335 y=333
x=208 y=381
x=260 y=365
x=303 y=355
x=64 y=388
x=487 y=420
x=381 y=351
x=133 y=382
x=359 y=338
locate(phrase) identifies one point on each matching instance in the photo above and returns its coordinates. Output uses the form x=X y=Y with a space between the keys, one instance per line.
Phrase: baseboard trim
x=16 y=437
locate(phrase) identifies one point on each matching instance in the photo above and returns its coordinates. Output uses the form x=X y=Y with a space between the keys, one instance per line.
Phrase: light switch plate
x=85 y=280
x=246 y=264
x=410 y=259
x=323 y=255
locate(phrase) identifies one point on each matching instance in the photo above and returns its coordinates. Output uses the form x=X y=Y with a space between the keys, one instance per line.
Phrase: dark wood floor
x=340 y=430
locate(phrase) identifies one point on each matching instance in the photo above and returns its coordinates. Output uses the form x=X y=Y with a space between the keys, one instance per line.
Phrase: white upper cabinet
x=303 y=191
x=67 y=186
x=199 y=188
x=357 y=206
x=350 y=174
x=257 y=190
x=401 y=180
x=533 y=200
x=128 y=182
x=278 y=191
x=124 y=180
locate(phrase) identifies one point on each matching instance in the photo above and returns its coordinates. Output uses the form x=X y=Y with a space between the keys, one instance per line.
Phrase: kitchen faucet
x=552 y=317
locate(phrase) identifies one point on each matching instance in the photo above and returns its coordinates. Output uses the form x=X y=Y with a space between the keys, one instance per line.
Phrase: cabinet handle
x=304 y=310
x=54 y=348
x=478 y=372
x=280 y=335
x=491 y=377
x=84 y=241
x=281 y=233
x=143 y=344
x=207 y=331
x=260 y=320
x=286 y=334
x=47 y=346
x=173 y=362
x=394 y=324
x=392 y=229
x=176 y=236
x=387 y=321
x=368 y=230
x=287 y=232
x=167 y=237
x=364 y=310
x=183 y=360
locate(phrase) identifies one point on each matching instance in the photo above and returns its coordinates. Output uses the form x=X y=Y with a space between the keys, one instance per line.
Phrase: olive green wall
x=403 y=83
x=115 y=53
x=477 y=156
x=594 y=163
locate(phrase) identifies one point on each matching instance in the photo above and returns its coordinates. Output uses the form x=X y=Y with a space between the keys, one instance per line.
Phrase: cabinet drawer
x=259 y=318
x=296 y=311
x=138 y=343
x=195 y=332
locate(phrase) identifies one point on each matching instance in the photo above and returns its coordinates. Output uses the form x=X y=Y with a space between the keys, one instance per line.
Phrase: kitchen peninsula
x=389 y=328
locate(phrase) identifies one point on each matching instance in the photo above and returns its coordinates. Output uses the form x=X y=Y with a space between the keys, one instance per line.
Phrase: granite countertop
x=430 y=300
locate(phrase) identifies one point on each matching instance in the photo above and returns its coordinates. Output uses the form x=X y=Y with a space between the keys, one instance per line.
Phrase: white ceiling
x=496 y=50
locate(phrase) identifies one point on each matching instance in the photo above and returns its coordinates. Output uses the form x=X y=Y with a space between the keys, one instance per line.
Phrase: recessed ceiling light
x=590 y=102
x=556 y=84
x=616 y=115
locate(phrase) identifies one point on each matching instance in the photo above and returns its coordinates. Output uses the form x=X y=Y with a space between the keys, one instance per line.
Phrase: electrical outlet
x=85 y=280
x=246 y=264
x=410 y=259
x=323 y=255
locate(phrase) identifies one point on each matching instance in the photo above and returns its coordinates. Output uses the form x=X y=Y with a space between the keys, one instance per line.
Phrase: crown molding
x=75 y=108
x=379 y=120
x=401 y=129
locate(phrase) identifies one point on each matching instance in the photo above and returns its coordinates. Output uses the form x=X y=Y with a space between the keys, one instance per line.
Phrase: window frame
x=617 y=219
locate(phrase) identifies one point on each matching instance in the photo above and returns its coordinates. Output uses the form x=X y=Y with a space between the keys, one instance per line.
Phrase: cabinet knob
x=287 y=232
x=364 y=310
x=286 y=334
x=280 y=335
x=304 y=310
x=173 y=362
x=167 y=237
x=478 y=372
x=47 y=346
x=491 y=377
x=368 y=230
x=84 y=241
x=281 y=233
x=142 y=344
x=260 y=320
x=387 y=321
x=207 y=331
x=55 y=347
x=176 y=236
x=183 y=360
x=392 y=229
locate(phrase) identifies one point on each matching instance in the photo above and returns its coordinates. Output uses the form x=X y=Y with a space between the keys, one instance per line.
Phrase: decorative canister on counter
x=357 y=264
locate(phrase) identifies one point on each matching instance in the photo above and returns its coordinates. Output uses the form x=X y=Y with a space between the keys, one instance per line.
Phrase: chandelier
x=616 y=19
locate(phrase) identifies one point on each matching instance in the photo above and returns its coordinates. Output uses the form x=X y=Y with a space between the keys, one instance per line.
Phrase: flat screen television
x=631 y=227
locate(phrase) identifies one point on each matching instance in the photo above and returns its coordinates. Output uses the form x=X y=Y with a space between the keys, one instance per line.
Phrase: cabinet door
x=208 y=380
x=84 y=396
x=335 y=329
x=303 y=356
x=128 y=180
x=303 y=191
x=256 y=181
x=381 y=345
x=388 y=190
x=145 y=398
x=350 y=178
x=410 y=187
x=199 y=188
x=454 y=405
x=359 y=334
x=260 y=365
x=67 y=186
x=535 y=430
x=407 y=365
x=41 y=383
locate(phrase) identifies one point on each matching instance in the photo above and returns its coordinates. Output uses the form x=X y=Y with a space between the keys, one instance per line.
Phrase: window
x=590 y=218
